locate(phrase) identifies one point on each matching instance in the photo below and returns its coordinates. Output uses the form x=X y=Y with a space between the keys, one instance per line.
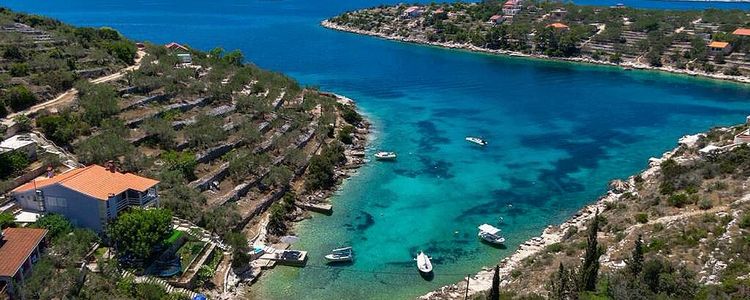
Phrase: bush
x=12 y=163
x=19 y=98
x=678 y=200
x=641 y=218
x=19 y=69
x=745 y=221
x=7 y=220
x=705 y=204
x=56 y=224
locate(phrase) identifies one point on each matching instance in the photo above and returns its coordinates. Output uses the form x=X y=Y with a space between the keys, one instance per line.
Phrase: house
x=176 y=47
x=558 y=26
x=184 y=58
x=89 y=197
x=744 y=32
x=413 y=12
x=22 y=143
x=20 y=248
x=438 y=11
x=496 y=19
x=716 y=47
x=512 y=7
x=558 y=14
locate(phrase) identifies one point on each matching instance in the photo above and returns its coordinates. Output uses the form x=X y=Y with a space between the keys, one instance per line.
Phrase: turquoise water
x=558 y=133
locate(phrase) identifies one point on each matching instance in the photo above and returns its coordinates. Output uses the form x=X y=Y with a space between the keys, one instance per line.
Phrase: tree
x=206 y=131
x=71 y=248
x=183 y=201
x=7 y=220
x=635 y=265
x=56 y=224
x=19 y=98
x=590 y=268
x=99 y=101
x=136 y=233
x=162 y=131
x=240 y=248
x=184 y=162
x=495 y=291
x=222 y=219
x=122 y=50
x=12 y=162
x=561 y=285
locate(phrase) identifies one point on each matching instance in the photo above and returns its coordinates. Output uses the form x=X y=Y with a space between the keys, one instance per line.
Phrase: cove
x=558 y=133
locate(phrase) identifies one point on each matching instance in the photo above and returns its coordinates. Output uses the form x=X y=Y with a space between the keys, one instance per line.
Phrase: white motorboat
x=384 y=155
x=423 y=263
x=476 y=140
x=341 y=255
x=490 y=234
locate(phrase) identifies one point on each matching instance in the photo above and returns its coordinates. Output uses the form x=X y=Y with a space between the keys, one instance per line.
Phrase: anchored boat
x=423 y=263
x=383 y=155
x=490 y=234
x=341 y=255
x=476 y=140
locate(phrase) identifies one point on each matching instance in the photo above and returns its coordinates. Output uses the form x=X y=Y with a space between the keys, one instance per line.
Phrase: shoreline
x=482 y=280
x=508 y=53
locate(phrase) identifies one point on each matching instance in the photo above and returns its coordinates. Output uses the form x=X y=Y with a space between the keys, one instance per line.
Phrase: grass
x=176 y=234
x=189 y=252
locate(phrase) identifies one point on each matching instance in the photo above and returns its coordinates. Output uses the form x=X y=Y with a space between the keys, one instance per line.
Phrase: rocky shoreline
x=482 y=281
x=470 y=47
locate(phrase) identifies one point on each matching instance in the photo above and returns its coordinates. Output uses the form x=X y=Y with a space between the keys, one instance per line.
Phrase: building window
x=59 y=203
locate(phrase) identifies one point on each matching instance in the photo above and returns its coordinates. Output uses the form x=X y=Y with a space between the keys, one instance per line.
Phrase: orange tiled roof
x=19 y=243
x=175 y=46
x=716 y=44
x=95 y=181
x=558 y=26
x=742 y=31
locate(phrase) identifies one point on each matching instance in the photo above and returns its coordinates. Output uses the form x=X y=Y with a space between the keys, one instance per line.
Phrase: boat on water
x=491 y=234
x=385 y=155
x=341 y=255
x=423 y=263
x=476 y=140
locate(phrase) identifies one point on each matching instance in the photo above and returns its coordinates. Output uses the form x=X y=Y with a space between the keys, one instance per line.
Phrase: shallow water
x=558 y=133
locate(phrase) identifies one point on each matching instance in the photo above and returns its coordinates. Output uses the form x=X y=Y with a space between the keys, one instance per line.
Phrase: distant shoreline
x=579 y=60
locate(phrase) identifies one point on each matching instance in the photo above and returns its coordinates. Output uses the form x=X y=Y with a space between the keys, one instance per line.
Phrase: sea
x=558 y=133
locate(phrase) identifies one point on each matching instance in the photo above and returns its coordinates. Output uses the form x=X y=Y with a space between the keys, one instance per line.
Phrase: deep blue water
x=558 y=132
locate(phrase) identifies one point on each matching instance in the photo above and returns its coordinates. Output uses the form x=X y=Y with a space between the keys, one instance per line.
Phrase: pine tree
x=590 y=267
x=495 y=291
x=559 y=286
x=635 y=265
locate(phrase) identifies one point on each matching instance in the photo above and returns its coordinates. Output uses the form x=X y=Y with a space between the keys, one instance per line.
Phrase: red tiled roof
x=742 y=31
x=95 y=181
x=495 y=17
x=17 y=247
x=175 y=46
x=716 y=44
x=558 y=26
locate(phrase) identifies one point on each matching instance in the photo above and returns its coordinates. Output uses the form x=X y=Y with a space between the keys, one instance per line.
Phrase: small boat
x=490 y=234
x=476 y=140
x=627 y=68
x=383 y=155
x=423 y=263
x=340 y=255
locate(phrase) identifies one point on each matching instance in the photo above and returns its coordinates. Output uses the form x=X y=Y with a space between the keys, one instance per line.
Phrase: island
x=712 y=43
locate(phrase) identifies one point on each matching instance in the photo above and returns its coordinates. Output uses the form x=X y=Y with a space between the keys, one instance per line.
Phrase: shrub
x=554 y=248
x=19 y=69
x=641 y=218
x=705 y=204
x=678 y=200
x=19 y=98
x=745 y=221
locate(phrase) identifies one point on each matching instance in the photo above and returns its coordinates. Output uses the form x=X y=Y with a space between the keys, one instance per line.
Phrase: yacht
x=423 y=263
x=490 y=234
x=476 y=140
x=383 y=155
x=340 y=255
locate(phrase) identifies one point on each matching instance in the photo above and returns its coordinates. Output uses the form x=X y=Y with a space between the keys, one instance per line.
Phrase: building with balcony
x=89 y=197
x=20 y=248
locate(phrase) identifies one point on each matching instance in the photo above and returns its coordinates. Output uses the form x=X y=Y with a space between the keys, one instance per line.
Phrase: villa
x=89 y=197
x=512 y=7
x=496 y=19
x=20 y=248
x=413 y=12
x=558 y=14
x=717 y=47
x=742 y=32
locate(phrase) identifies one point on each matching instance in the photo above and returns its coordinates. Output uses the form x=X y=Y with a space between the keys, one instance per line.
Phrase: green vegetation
x=136 y=233
x=12 y=163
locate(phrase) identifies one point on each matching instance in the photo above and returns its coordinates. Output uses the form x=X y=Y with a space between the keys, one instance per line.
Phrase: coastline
x=482 y=280
x=508 y=53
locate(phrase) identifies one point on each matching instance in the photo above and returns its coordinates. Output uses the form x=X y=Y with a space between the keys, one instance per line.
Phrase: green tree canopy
x=136 y=233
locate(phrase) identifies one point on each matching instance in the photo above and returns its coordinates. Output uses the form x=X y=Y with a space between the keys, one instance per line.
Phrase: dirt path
x=70 y=95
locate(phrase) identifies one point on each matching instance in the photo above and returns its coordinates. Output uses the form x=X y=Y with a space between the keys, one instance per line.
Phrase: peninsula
x=710 y=43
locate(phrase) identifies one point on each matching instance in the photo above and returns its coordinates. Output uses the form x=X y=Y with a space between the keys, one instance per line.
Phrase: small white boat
x=423 y=263
x=341 y=255
x=476 y=140
x=490 y=234
x=383 y=155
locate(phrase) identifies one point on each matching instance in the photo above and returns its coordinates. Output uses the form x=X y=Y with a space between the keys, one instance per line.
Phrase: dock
x=324 y=208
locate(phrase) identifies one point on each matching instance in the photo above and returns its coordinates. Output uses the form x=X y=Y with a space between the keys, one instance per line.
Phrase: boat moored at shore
x=385 y=155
